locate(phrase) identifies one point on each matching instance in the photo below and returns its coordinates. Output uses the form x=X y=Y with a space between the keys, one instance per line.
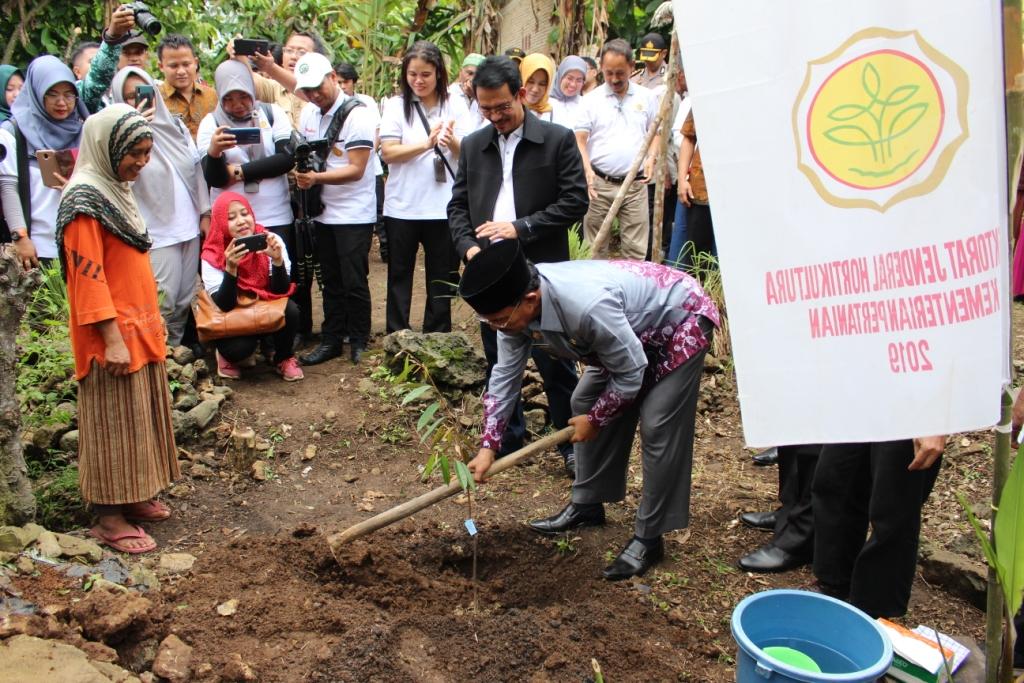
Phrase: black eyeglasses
x=502 y=323
x=497 y=109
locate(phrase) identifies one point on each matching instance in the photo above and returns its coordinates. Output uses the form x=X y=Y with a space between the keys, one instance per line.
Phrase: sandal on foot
x=114 y=541
x=147 y=511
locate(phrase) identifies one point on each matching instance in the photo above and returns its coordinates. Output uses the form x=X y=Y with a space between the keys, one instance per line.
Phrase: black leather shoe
x=766 y=457
x=570 y=465
x=356 y=353
x=769 y=558
x=569 y=518
x=760 y=520
x=320 y=354
x=635 y=559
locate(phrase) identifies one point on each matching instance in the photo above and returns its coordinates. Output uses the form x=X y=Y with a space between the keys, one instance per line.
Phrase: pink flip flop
x=114 y=541
x=148 y=511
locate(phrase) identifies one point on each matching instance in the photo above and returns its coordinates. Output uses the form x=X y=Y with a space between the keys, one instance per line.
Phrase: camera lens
x=147 y=22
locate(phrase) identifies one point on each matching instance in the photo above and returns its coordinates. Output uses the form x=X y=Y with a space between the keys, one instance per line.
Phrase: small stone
x=466 y=421
x=13 y=539
x=71 y=546
x=188 y=374
x=176 y=563
x=227 y=609
x=310 y=452
x=182 y=355
x=186 y=398
x=173 y=368
x=536 y=420
x=184 y=424
x=201 y=471
x=69 y=442
x=103 y=613
x=144 y=576
x=25 y=565
x=366 y=386
x=99 y=652
x=173 y=660
x=237 y=670
x=204 y=413
x=202 y=369
x=330 y=415
x=204 y=670
x=223 y=391
x=261 y=471
x=68 y=410
x=375 y=471
x=351 y=478
x=555 y=661
x=181 y=490
x=210 y=396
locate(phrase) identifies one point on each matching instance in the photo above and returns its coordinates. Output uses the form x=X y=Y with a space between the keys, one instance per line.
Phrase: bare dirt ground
x=400 y=604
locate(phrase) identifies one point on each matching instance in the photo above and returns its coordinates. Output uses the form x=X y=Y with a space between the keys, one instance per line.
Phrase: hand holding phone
x=254 y=243
x=145 y=96
x=55 y=166
x=246 y=136
x=250 y=46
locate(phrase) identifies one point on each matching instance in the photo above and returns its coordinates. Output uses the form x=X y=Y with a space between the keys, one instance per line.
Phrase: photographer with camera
x=94 y=64
x=344 y=226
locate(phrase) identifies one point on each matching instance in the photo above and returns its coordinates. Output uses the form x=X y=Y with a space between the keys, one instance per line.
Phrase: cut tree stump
x=242 y=449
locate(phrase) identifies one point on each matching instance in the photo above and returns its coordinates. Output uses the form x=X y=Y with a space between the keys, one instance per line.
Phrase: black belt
x=609 y=178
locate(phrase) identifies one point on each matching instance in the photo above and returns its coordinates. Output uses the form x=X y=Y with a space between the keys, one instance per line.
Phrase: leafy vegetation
x=59 y=503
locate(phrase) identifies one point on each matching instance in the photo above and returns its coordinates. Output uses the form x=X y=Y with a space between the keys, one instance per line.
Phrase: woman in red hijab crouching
x=230 y=269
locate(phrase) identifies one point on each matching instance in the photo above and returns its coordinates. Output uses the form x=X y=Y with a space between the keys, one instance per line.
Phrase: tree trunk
x=17 y=504
x=242 y=449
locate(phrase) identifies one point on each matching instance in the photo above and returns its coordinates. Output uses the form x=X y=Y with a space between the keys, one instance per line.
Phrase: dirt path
x=400 y=605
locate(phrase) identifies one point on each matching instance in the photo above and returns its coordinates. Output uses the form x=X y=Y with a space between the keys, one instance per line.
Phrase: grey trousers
x=175 y=269
x=634 y=220
x=666 y=414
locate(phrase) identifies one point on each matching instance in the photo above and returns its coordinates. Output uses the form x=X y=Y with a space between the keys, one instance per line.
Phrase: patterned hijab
x=531 y=64
x=233 y=76
x=254 y=268
x=173 y=152
x=7 y=72
x=571 y=63
x=95 y=190
x=41 y=130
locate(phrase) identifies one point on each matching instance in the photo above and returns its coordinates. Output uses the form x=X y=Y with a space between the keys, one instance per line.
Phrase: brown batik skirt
x=126 y=451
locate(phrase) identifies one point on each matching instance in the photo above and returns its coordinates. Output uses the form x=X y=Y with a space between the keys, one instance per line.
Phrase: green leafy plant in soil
x=59 y=505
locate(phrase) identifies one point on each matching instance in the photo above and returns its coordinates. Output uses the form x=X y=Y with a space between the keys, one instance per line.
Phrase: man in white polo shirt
x=613 y=121
x=344 y=229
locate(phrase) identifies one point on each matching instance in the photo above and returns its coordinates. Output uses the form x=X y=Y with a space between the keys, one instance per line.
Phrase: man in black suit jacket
x=519 y=178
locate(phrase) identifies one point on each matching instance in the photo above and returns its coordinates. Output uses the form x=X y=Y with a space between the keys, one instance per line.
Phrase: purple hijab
x=571 y=63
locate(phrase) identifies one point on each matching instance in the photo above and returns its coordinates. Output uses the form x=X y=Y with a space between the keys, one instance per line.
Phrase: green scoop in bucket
x=793 y=658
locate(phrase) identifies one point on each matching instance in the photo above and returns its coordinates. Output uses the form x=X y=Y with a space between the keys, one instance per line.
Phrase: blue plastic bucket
x=844 y=642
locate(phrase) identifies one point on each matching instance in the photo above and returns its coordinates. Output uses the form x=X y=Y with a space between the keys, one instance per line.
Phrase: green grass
x=59 y=505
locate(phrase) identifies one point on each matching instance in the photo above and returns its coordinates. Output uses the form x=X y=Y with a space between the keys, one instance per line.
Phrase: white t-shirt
x=378 y=167
x=270 y=204
x=566 y=113
x=45 y=200
x=354 y=202
x=185 y=225
x=616 y=127
x=411 y=192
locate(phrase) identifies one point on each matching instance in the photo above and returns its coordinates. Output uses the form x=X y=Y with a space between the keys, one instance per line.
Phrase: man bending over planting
x=642 y=330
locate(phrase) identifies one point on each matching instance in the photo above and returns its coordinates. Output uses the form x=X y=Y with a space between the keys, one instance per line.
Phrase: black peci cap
x=495 y=278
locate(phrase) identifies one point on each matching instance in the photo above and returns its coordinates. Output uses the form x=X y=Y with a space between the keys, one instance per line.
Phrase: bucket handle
x=762 y=670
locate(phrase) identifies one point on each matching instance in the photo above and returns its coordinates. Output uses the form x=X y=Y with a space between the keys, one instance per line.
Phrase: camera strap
x=339 y=120
x=437 y=148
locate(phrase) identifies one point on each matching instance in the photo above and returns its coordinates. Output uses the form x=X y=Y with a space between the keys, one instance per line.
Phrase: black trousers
x=865 y=486
x=794 y=524
x=442 y=277
x=236 y=349
x=667 y=217
x=560 y=379
x=345 y=265
x=303 y=290
x=700 y=231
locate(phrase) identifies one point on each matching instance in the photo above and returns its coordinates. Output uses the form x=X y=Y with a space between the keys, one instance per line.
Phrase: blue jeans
x=675 y=247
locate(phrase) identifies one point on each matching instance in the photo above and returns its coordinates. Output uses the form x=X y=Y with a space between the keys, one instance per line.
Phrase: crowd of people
x=244 y=192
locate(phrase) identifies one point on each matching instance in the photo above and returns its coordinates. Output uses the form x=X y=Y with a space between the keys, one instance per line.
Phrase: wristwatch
x=17 y=235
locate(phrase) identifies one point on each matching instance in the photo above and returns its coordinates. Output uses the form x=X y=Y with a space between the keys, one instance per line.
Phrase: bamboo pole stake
x=999 y=659
x=601 y=238
x=411 y=507
x=658 y=219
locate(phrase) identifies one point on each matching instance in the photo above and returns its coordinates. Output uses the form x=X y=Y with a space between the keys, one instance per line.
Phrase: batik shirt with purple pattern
x=637 y=321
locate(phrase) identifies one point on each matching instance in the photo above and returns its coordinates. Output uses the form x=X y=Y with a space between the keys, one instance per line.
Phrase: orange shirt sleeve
x=88 y=293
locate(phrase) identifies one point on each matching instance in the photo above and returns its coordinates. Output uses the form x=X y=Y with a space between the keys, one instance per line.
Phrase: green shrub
x=59 y=505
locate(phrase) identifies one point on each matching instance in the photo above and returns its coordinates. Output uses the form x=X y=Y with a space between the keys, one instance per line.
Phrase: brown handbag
x=250 y=316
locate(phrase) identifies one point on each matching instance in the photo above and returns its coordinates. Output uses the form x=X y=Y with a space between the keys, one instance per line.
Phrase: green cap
x=472 y=59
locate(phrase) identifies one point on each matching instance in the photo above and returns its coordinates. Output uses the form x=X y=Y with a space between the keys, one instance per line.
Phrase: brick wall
x=521 y=27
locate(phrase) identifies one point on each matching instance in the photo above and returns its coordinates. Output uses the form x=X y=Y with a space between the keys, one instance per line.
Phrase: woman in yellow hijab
x=538 y=73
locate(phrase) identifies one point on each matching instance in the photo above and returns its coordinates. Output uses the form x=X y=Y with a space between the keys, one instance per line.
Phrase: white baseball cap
x=311 y=70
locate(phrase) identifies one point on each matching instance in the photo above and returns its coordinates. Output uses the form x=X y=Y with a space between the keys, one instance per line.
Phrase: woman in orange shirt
x=126 y=452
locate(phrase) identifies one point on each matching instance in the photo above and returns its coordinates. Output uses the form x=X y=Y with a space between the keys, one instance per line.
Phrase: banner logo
x=879 y=120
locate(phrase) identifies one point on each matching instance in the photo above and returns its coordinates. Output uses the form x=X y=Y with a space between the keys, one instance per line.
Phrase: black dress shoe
x=320 y=354
x=769 y=558
x=760 y=520
x=570 y=518
x=766 y=457
x=570 y=464
x=635 y=559
x=356 y=353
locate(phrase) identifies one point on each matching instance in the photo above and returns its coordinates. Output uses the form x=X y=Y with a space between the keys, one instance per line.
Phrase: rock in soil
x=450 y=358
x=47 y=544
x=69 y=442
x=72 y=546
x=13 y=539
x=204 y=413
x=176 y=563
x=173 y=660
x=33 y=660
x=182 y=355
x=105 y=615
x=235 y=669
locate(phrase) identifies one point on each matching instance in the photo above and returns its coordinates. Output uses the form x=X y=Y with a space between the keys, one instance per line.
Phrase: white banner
x=856 y=164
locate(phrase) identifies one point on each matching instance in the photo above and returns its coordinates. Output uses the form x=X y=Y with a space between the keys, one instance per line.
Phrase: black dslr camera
x=308 y=154
x=144 y=18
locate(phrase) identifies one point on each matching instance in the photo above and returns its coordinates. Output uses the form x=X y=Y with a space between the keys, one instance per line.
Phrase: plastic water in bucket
x=790 y=635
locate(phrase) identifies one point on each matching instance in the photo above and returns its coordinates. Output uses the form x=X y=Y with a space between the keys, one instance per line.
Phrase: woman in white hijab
x=173 y=200
x=126 y=451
